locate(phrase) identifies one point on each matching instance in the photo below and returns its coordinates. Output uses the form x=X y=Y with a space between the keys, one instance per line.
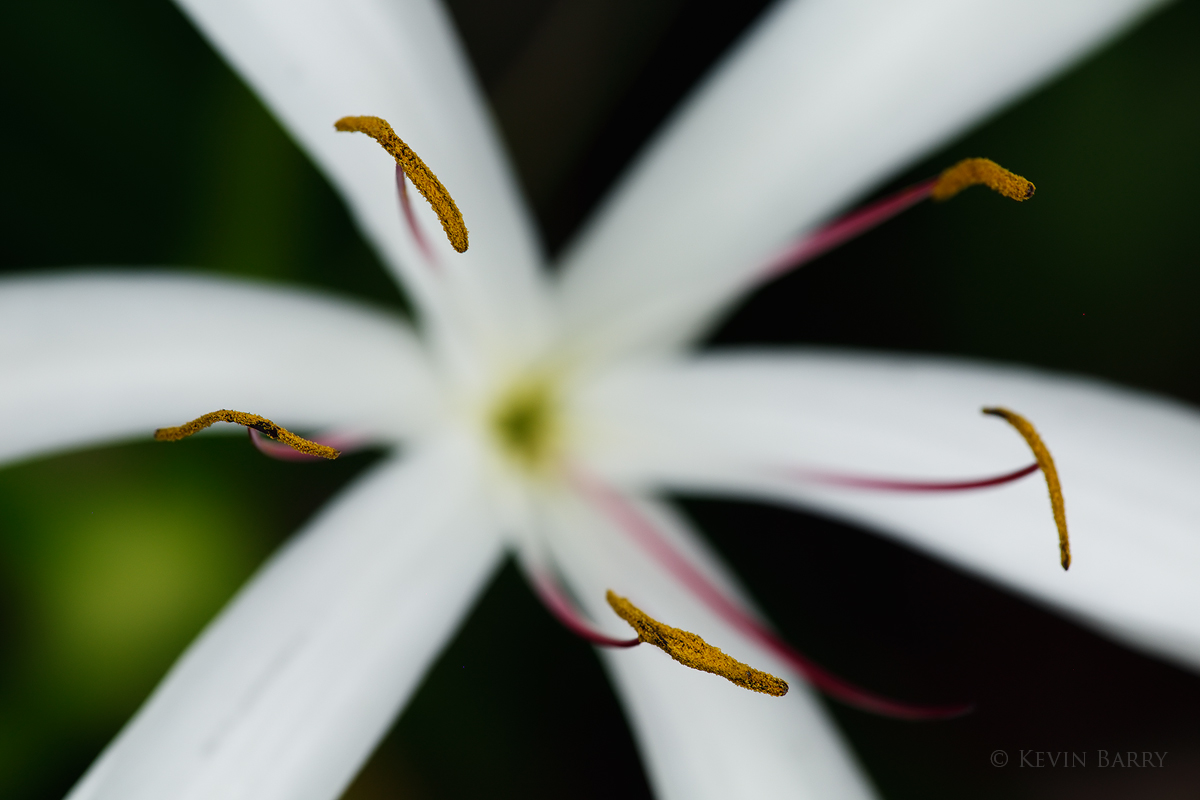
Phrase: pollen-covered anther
x=422 y=176
x=692 y=651
x=260 y=424
x=980 y=171
x=1046 y=462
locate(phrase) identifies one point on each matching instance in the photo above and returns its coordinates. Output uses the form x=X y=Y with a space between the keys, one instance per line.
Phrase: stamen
x=422 y=177
x=1046 y=462
x=952 y=181
x=692 y=651
x=646 y=534
x=974 y=171
x=261 y=424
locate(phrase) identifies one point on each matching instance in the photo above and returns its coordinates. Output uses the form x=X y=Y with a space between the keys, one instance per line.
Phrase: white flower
x=288 y=690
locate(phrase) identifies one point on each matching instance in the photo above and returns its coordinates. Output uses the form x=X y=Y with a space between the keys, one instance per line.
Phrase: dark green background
x=129 y=143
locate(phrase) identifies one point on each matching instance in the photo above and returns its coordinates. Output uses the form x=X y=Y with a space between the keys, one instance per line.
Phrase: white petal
x=314 y=61
x=701 y=737
x=94 y=357
x=288 y=691
x=822 y=101
x=1129 y=464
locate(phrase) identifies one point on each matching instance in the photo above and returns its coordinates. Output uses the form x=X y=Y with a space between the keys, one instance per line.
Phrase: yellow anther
x=1026 y=429
x=260 y=424
x=422 y=176
x=973 y=171
x=692 y=651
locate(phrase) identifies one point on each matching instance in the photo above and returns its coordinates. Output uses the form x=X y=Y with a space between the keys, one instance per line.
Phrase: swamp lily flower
x=538 y=416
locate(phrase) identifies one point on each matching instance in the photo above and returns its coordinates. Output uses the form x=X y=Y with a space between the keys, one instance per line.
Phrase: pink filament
x=411 y=218
x=643 y=531
x=556 y=602
x=890 y=485
x=281 y=452
x=844 y=229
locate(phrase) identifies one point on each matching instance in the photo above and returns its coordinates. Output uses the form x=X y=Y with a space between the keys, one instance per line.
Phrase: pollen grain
x=692 y=651
x=1046 y=462
x=422 y=176
x=260 y=424
x=975 y=171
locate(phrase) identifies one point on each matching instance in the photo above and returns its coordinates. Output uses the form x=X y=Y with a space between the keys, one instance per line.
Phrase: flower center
x=526 y=424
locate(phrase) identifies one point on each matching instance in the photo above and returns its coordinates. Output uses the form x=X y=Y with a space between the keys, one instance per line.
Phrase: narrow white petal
x=1129 y=465
x=315 y=61
x=289 y=689
x=701 y=737
x=822 y=101
x=92 y=357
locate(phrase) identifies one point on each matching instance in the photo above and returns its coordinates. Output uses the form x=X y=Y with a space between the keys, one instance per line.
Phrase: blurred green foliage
x=129 y=143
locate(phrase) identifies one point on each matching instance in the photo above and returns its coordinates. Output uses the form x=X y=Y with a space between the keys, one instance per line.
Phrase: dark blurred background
x=129 y=143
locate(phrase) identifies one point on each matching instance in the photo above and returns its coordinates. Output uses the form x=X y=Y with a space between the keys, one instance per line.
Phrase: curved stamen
x=690 y=650
x=1046 y=462
x=644 y=532
x=262 y=424
x=421 y=175
x=981 y=172
x=557 y=603
x=893 y=485
x=968 y=172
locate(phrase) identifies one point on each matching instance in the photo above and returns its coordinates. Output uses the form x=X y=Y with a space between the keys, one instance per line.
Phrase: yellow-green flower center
x=526 y=425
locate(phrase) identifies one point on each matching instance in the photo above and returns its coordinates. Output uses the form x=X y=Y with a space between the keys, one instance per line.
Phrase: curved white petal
x=92 y=357
x=1129 y=465
x=315 y=61
x=701 y=737
x=820 y=102
x=289 y=689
